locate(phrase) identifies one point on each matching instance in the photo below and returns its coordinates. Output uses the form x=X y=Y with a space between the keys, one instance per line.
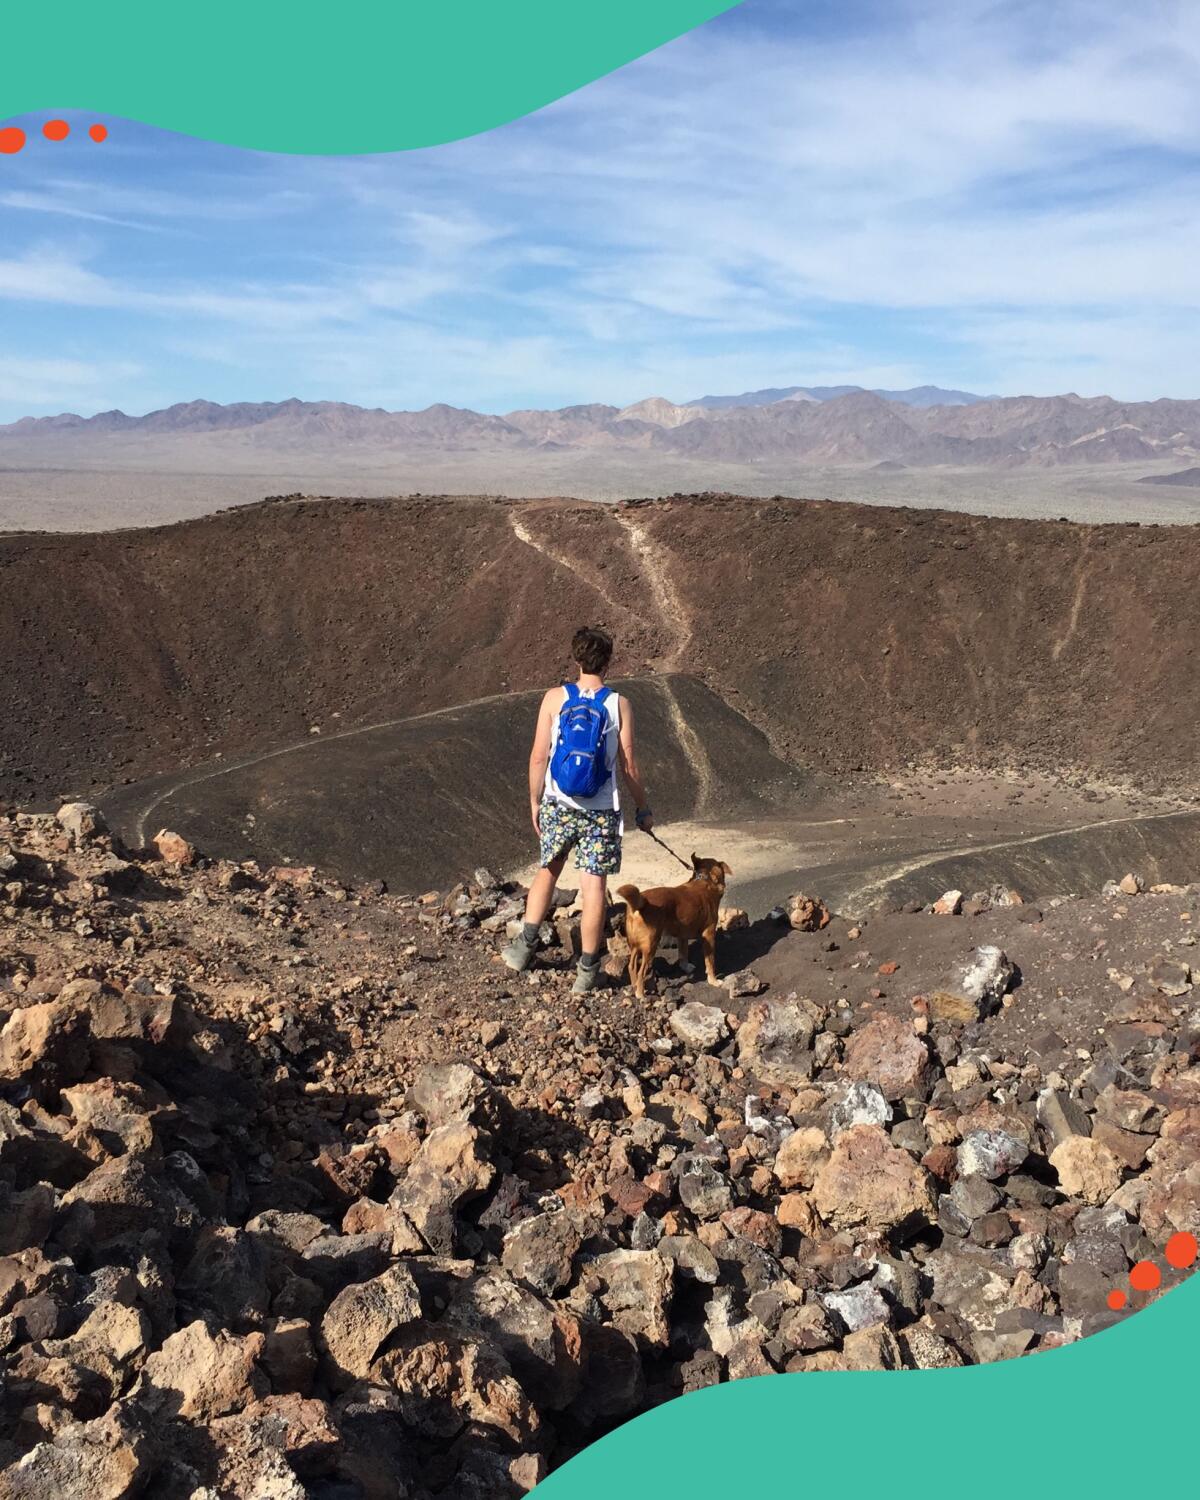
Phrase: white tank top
x=608 y=797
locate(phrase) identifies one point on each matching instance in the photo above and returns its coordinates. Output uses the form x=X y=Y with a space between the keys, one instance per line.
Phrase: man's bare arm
x=629 y=765
x=539 y=756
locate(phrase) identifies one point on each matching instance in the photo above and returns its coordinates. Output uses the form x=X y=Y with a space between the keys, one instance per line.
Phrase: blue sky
x=1001 y=197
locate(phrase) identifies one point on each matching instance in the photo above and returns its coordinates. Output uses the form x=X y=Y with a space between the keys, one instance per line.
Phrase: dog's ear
x=696 y=861
x=726 y=868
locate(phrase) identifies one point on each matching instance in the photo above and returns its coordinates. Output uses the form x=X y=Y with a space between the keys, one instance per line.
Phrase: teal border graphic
x=332 y=79
x=1113 y=1414
x=1110 y=1415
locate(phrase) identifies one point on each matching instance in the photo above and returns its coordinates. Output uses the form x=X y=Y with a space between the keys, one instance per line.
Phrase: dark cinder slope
x=852 y=636
x=1188 y=478
x=130 y=653
x=868 y=637
x=414 y=801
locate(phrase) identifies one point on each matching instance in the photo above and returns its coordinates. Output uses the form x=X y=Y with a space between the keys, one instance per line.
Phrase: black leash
x=686 y=863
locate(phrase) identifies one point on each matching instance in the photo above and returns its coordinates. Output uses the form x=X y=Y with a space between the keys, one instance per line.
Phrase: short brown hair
x=592 y=648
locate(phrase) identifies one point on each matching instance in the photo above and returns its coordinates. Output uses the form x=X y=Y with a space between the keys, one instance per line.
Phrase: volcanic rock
x=990 y=1153
x=775 y=1040
x=1086 y=1169
x=801 y=1156
x=869 y=1181
x=807 y=914
x=858 y=1307
x=200 y=1374
x=886 y=1052
x=81 y=821
x=1061 y=1117
x=173 y=849
x=540 y=1251
x=698 y=1026
x=104 y=1459
x=364 y=1315
x=975 y=988
x=860 y=1104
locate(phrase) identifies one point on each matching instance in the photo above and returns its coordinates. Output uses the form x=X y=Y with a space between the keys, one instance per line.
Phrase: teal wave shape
x=1110 y=1415
x=325 y=79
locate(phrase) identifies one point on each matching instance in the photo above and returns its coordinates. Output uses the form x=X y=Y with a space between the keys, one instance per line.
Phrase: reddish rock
x=868 y=1181
x=801 y=1156
x=629 y=1195
x=173 y=848
x=46 y=1044
x=807 y=914
x=887 y=1053
x=754 y=1225
x=942 y=1161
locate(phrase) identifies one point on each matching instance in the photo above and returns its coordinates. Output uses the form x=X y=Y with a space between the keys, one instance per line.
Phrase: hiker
x=584 y=735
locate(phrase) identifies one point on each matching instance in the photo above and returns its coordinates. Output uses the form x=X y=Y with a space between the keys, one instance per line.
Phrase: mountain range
x=922 y=427
x=917 y=395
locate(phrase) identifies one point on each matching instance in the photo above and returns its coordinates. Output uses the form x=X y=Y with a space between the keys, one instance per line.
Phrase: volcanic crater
x=868 y=694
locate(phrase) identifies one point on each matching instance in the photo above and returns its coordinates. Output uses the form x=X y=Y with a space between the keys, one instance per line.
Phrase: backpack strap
x=572 y=693
x=599 y=698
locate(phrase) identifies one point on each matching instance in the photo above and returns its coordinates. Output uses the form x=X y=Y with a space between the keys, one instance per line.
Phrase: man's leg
x=558 y=836
x=541 y=891
x=593 y=897
x=519 y=953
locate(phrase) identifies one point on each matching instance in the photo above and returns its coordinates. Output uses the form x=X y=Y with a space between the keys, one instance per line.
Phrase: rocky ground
x=303 y=1194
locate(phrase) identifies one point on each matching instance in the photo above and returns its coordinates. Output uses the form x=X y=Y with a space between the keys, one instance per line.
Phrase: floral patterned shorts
x=594 y=834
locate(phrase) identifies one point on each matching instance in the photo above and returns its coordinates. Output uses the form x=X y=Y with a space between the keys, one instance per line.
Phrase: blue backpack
x=578 y=765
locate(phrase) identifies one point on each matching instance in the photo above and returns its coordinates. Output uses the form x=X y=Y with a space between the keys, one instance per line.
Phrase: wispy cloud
x=61 y=382
x=46 y=203
x=997 y=197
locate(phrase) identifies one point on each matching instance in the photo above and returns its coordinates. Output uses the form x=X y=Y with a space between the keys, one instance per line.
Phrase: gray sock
x=589 y=960
x=529 y=934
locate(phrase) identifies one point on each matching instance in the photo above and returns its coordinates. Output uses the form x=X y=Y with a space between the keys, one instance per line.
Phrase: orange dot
x=12 y=138
x=1145 y=1276
x=56 y=130
x=99 y=132
x=1181 y=1250
x=1117 y=1300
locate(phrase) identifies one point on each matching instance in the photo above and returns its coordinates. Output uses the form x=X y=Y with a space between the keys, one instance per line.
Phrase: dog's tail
x=633 y=897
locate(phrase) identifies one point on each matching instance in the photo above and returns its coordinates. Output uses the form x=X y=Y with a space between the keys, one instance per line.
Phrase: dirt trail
x=755 y=856
x=1081 y=582
x=874 y=889
x=693 y=747
x=671 y=615
x=668 y=602
x=560 y=560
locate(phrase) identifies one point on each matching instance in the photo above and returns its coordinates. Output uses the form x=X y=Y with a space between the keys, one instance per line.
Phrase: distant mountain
x=766 y=397
x=289 y=422
x=856 y=427
x=918 y=395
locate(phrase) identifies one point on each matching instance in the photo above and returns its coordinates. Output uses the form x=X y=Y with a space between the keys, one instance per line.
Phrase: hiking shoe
x=518 y=954
x=585 y=979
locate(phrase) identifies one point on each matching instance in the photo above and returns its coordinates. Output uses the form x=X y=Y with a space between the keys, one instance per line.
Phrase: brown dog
x=686 y=912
